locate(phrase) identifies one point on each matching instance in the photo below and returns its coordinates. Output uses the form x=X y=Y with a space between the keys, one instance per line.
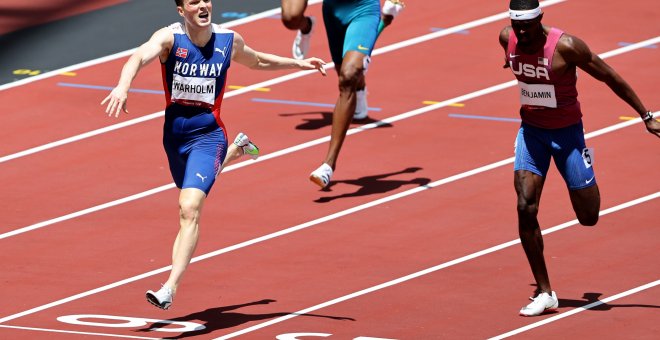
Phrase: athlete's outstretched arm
x=159 y=45
x=576 y=51
x=245 y=55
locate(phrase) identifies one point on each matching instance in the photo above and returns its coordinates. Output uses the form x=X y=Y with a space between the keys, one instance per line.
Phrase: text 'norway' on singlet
x=194 y=77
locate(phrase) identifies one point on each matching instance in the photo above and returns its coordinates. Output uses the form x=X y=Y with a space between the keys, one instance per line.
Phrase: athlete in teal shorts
x=352 y=27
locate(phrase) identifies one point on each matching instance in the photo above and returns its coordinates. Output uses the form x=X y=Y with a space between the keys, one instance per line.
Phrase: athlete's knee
x=349 y=77
x=189 y=209
x=588 y=219
x=586 y=204
x=293 y=21
x=527 y=208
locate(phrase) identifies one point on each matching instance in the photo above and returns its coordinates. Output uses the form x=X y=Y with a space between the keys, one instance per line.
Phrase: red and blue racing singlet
x=196 y=76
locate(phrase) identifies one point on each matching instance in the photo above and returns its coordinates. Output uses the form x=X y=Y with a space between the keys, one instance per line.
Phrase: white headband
x=525 y=15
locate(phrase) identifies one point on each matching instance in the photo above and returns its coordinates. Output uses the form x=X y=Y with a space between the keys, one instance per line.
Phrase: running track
x=416 y=238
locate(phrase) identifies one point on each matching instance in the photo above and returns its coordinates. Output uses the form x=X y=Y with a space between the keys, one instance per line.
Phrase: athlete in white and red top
x=545 y=61
x=195 y=57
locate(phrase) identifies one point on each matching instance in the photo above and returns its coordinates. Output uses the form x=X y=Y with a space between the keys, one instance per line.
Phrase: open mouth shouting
x=205 y=17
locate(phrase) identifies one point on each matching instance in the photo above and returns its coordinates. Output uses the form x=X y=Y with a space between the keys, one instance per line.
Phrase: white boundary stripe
x=577 y=310
x=126 y=53
x=318 y=141
x=75 y=332
x=272 y=155
x=307 y=225
x=428 y=270
x=268 y=83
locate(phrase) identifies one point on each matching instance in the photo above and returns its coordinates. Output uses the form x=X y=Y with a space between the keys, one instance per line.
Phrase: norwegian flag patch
x=181 y=52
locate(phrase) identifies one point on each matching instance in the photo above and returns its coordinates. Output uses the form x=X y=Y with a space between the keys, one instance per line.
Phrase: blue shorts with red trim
x=195 y=146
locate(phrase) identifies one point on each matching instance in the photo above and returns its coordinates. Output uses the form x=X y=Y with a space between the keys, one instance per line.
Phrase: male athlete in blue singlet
x=545 y=60
x=195 y=56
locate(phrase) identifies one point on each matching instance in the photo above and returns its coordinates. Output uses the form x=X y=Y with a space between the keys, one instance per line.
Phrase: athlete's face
x=527 y=31
x=196 y=12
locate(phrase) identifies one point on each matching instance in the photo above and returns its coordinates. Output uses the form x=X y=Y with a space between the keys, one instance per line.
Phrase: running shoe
x=540 y=304
x=361 y=107
x=322 y=175
x=161 y=299
x=393 y=7
x=301 y=43
x=249 y=148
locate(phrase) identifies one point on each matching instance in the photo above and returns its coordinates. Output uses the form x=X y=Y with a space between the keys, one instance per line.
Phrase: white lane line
x=295 y=228
x=127 y=53
x=75 y=332
x=577 y=310
x=267 y=83
x=428 y=270
x=321 y=140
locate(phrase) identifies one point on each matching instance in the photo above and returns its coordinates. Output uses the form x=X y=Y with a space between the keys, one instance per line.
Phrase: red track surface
x=17 y=15
x=476 y=298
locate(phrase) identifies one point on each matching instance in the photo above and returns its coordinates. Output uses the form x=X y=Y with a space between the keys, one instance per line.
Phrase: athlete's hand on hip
x=116 y=102
x=313 y=63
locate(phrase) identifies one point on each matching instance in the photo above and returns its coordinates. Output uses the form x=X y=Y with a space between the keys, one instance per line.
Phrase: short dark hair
x=179 y=2
x=522 y=5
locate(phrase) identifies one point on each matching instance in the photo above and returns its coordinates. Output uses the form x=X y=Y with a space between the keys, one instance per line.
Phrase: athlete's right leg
x=528 y=187
x=531 y=165
x=191 y=201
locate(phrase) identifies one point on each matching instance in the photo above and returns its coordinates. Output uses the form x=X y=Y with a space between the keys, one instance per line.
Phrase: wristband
x=647 y=117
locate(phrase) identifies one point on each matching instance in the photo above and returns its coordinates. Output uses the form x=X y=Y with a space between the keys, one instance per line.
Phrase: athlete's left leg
x=586 y=204
x=351 y=75
x=575 y=163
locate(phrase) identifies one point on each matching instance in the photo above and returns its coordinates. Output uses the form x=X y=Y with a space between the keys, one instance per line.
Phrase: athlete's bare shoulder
x=573 y=49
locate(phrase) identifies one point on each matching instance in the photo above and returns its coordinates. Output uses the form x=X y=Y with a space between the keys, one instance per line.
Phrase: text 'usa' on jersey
x=548 y=100
x=196 y=76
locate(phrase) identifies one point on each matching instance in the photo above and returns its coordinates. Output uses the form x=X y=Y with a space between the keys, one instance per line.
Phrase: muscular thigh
x=351 y=26
x=196 y=160
x=532 y=151
x=205 y=160
x=572 y=157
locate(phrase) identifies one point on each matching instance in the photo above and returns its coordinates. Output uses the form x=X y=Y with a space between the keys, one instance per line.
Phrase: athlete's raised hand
x=116 y=102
